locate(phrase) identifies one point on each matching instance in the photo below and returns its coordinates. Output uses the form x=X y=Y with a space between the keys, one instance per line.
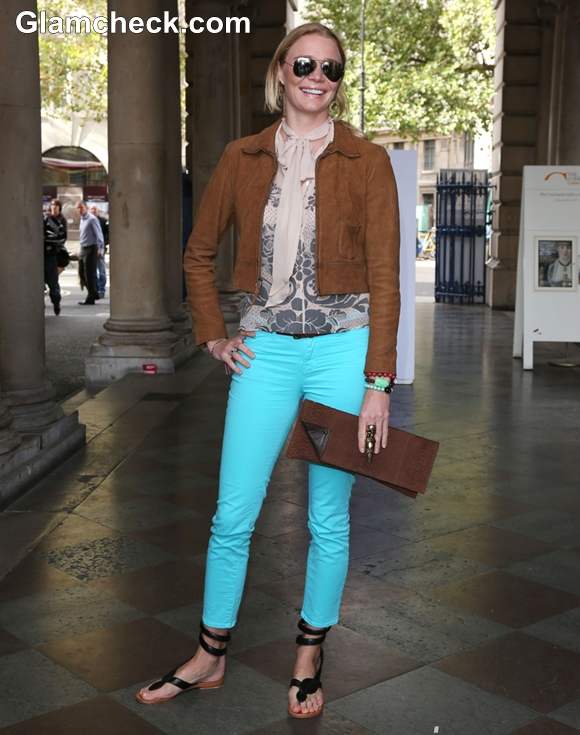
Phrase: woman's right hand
x=230 y=350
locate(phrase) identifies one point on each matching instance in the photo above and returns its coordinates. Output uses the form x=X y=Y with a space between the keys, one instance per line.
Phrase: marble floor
x=461 y=614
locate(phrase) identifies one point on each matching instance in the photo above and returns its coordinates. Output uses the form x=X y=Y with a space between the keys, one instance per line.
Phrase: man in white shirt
x=91 y=241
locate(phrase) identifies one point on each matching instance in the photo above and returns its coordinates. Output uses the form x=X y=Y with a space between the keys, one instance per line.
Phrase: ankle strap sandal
x=320 y=634
x=216 y=637
x=185 y=686
x=309 y=685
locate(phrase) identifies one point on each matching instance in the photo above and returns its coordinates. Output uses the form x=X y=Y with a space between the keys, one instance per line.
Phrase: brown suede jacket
x=357 y=231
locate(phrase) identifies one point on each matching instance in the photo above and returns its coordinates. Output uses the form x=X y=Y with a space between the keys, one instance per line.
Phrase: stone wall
x=536 y=115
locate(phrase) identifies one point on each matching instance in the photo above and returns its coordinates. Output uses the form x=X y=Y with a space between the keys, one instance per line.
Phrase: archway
x=70 y=173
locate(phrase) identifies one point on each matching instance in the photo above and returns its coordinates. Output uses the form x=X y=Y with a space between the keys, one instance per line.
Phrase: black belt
x=300 y=336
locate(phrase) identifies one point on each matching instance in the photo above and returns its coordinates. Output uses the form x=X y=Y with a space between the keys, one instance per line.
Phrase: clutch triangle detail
x=318 y=435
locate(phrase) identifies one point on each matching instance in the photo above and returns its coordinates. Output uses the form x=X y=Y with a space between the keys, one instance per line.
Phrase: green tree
x=73 y=67
x=428 y=63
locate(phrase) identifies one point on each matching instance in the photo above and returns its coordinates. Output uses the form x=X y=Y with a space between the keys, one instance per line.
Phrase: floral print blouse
x=303 y=311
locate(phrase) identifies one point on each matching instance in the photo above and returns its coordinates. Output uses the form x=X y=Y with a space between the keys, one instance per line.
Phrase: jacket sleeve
x=213 y=217
x=382 y=248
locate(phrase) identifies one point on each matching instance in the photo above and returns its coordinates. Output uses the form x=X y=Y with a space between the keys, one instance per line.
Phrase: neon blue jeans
x=262 y=405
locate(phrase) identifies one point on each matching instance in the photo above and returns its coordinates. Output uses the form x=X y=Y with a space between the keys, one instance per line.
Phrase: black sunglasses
x=305 y=65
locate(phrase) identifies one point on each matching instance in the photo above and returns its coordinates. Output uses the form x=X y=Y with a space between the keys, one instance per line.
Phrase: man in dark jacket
x=55 y=234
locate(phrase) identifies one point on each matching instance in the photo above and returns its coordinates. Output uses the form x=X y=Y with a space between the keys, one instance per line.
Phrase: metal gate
x=461 y=235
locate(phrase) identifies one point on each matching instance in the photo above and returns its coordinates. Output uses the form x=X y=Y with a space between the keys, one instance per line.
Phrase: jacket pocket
x=349 y=241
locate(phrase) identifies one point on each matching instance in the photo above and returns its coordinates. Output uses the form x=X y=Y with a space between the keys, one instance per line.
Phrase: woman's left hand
x=375 y=410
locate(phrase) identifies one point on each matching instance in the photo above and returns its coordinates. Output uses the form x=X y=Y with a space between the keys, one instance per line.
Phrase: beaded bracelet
x=371 y=386
x=379 y=373
x=380 y=383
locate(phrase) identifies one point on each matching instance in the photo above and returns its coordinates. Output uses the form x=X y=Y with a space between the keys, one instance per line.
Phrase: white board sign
x=405 y=170
x=547 y=286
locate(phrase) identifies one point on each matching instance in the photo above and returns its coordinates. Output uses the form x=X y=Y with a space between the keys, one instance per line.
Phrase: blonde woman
x=315 y=207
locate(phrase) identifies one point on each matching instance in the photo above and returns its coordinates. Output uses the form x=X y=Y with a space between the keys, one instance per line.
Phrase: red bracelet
x=377 y=374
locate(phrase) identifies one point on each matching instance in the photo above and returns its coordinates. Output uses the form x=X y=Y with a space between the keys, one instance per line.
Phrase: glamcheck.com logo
x=30 y=22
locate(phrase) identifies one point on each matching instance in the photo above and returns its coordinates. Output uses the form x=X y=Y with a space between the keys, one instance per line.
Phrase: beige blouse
x=303 y=311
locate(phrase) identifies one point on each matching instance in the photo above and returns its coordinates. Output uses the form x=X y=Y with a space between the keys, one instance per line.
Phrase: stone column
x=34 y=432
x=211 y=122
x=140 y=329
x=176 y=308
x=25 y=388
x=569 y=148
x=550 y=89
x=269 y=19
x=517 y=90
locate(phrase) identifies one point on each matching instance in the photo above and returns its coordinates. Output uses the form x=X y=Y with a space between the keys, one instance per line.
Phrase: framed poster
x=555 y=262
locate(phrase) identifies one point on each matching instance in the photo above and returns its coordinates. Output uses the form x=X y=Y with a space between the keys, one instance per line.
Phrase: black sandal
x=185 y=686
x=309 y=685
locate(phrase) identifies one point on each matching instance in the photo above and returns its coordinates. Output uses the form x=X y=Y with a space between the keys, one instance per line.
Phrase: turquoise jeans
x=262 y=405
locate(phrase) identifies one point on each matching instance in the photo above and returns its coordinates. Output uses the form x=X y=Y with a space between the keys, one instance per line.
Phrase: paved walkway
x=69 y=335
x=462 y=609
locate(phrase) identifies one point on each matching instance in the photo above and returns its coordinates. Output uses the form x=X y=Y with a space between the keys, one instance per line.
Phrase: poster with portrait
x=555 y=264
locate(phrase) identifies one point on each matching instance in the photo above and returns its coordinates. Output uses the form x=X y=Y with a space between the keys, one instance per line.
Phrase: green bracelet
x=372 y=386
x=382 y=382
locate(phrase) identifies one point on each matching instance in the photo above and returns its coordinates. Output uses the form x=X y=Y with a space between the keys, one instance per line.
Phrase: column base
x=32 y=409
x=500 y=285
x=181 y=321
x=108 y=361
x=37 y=454
x=9 y=439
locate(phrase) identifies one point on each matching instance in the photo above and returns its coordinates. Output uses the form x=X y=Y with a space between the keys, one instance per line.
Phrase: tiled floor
x=461 y=614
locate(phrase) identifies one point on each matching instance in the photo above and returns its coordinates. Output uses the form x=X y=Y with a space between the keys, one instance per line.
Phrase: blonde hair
x=274 y=90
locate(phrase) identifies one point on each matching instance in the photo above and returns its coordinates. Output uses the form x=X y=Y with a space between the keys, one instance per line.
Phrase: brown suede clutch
x=328 y=436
